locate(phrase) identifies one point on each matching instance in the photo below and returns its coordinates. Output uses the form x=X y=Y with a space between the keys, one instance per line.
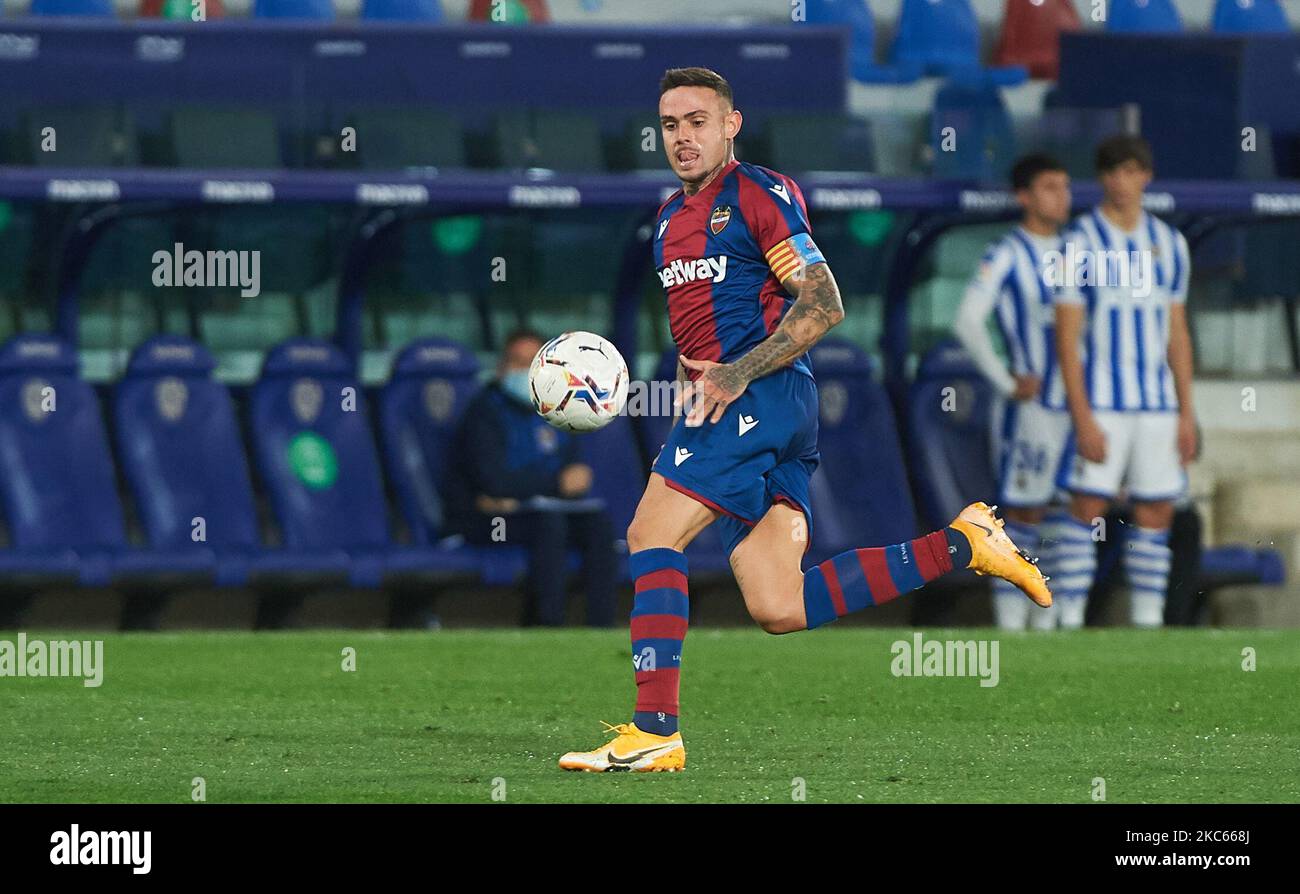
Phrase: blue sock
x=958 y=548
x=660 y=612
x=860 y=578
x=656 y=722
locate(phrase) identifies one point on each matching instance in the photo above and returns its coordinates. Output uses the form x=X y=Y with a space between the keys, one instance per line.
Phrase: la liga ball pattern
x=578 y=381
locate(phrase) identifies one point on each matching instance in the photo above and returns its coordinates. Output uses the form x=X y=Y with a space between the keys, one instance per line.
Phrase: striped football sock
x=860 y=578
x=1146 y=561
x=1010 y=607
x=1073 y=565
x=659 y=616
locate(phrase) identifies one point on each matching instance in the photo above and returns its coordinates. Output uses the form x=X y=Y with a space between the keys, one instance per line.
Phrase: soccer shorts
x=1141 y=457
x=1034 y=444
x=762 y=451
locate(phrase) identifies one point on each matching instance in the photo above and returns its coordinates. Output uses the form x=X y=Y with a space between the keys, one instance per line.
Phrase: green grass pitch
x=1161 y=716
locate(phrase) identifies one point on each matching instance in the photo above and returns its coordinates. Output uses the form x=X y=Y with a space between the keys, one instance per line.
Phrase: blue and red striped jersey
x=721 y=256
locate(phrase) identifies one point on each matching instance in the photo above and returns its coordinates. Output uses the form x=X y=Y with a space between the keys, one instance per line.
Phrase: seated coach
x=516 y=480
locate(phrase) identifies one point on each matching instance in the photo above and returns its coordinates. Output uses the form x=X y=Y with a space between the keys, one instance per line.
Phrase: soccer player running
x=731 y=247
x=1129 y=384
x=1012 y=285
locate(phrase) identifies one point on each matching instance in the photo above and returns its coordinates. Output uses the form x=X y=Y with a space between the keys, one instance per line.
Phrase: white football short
x=1033 y=445
x=1141 y=458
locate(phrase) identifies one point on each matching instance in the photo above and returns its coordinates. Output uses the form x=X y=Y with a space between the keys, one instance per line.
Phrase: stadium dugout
x=378 y=206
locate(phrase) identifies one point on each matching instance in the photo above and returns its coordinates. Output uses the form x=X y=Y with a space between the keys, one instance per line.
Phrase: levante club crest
x=721 y=217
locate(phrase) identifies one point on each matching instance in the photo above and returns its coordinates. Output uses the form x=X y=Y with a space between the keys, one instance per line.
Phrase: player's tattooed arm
x=816 y=310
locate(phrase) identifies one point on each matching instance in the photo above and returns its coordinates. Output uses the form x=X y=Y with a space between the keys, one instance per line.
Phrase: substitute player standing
x=1012 y=285
x=1126 y=358
x=730 y=248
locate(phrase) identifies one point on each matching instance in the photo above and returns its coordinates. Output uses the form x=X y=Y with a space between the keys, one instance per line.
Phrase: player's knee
x=1154 y=515
x=641 y=534
x=1085 y=508
x=662 y=530
x=778 y=619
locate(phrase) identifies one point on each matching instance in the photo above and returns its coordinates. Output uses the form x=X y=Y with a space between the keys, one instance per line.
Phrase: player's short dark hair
x=519 y=334
x=1114 y=151
x=696 y=77
x=1028 y=167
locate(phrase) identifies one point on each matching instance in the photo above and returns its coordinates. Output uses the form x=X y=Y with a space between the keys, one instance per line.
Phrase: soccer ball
x=578 y=382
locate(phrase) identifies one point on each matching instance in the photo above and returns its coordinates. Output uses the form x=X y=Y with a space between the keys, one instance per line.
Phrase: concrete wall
x=1247 y=485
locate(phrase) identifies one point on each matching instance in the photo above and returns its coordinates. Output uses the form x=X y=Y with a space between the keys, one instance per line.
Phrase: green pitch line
x=1160 y=716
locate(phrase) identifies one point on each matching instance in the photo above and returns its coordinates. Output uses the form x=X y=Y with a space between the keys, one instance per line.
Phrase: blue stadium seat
x=1249 y=17
x=433 y=379
x=403 y=10
x=321 y=10
x=1229 y=564
x=860 y=494
x=72 y=8
x=57 y=484
x=941 y=37
x=862 y=40
x=981 y=141
x=317 y=459
x=182 y=455
x=419 y=409
x=179 y=446
x=1143 y=16
x=951 y=440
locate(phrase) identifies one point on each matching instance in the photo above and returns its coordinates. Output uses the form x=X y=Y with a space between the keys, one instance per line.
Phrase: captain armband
x=788 y=256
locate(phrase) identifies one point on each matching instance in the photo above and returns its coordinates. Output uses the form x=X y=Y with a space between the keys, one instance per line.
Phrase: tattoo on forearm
x=814 y=312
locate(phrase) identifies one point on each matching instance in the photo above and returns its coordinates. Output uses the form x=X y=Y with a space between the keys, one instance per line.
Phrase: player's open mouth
x=687 y=157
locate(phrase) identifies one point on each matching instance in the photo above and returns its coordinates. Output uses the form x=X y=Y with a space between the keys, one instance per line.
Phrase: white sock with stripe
x=1073 y=565
x=1146 y=561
